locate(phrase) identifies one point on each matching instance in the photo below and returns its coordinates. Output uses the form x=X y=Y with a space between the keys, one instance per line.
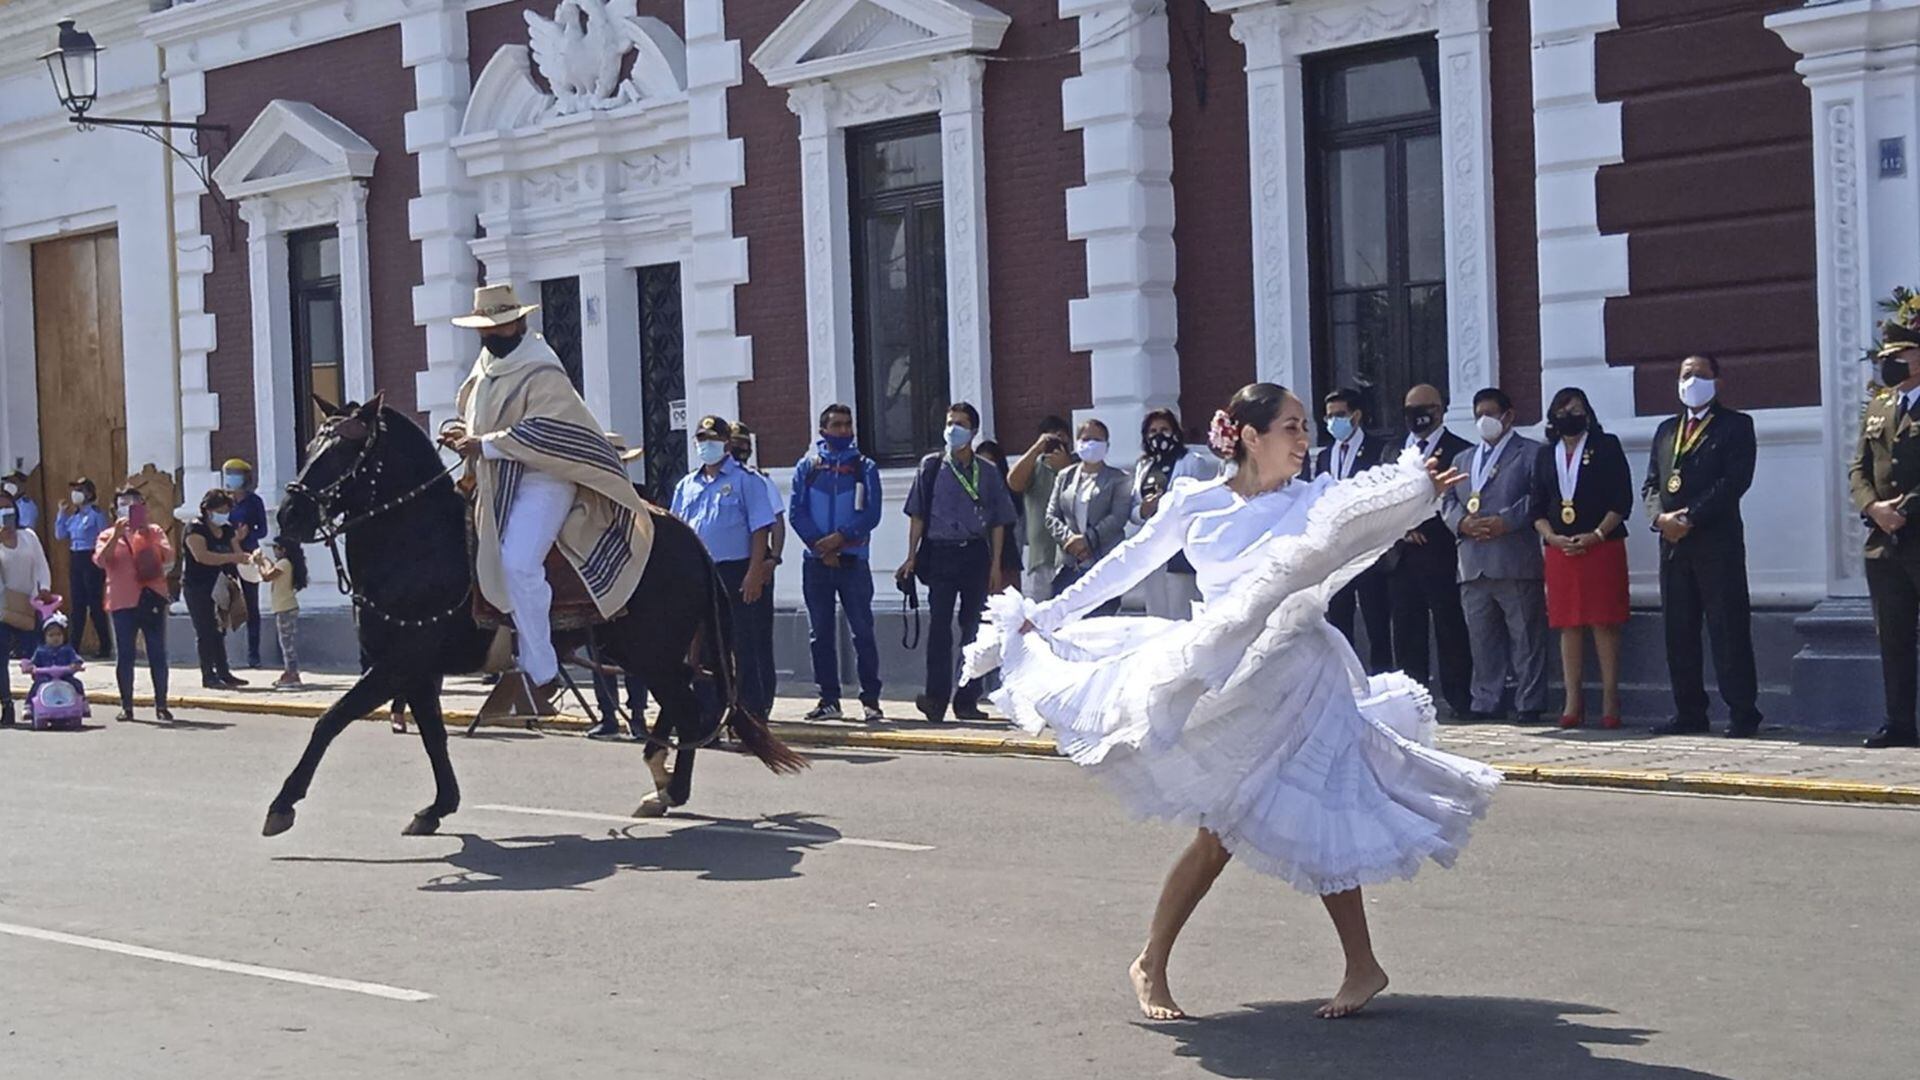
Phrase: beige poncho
x=524 y=405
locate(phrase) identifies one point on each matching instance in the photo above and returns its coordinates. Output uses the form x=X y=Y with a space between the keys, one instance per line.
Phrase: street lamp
x=74 y=67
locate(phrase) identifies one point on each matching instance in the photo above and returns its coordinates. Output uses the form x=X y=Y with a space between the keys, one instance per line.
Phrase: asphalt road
x=911 y=916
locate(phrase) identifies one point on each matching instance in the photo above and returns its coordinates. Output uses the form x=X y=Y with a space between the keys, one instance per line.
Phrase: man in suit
x=1425 y=580
x=1700 y=465
x=1353 y=451
x=1087 y=514
x=1885 y=481
x=1502 y=574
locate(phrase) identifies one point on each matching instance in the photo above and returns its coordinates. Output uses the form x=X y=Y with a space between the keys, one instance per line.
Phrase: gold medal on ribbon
x=1473 y=503
x=1566 y=512
x=1673 y=484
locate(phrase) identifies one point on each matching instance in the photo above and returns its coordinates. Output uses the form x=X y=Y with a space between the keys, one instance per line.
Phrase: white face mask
x=79 y=497
x=6 y=517
x=1490 y=428
x=959 y=436
x=1695 y=391
x=11 y=488
x=1094 y=450
x=124 y=507
x=711 y=451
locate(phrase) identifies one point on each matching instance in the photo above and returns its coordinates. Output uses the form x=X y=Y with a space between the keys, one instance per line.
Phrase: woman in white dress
x=1254 y=721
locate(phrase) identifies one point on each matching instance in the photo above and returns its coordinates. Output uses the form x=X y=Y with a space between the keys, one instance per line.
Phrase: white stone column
x=193 y=260
x=1466 y=143
x=270 y=290
x=718 y=359
x=1122 y=104
x=827 y=236
x=1277 y=136
x=433 y=43
x=356 y=296
x=610 y=343
x=963 y=178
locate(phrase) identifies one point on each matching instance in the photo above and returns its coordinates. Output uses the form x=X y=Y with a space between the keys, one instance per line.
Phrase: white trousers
x=540 y=508
x=1169 y=595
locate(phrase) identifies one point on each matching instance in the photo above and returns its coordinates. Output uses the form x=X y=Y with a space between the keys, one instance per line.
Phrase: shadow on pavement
x=1433 y=1038
x=715 y=850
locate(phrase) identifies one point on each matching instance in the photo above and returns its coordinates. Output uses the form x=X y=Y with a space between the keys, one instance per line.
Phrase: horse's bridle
x=335 y=524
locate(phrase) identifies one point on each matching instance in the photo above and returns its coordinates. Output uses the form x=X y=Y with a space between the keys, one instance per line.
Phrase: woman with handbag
x=1171 y=591
x=211 y=569
x=136 y=555
x=24 y=577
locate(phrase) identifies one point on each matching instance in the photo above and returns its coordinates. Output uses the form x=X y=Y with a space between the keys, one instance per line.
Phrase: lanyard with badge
x=1683 y=447
x=1486 y=466
x=1567 y=466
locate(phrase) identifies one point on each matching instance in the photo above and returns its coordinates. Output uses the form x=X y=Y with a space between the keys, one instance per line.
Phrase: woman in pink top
x=136 y=555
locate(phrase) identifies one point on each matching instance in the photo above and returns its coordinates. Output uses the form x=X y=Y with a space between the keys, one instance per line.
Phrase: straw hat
x=494 y=305
x=620 y=447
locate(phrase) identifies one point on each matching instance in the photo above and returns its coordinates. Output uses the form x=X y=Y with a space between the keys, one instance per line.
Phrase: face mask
x=1421 y=418
x=1490 y=428
x=6 y=517
x=500 y=345
x=1695 y=391
x=1340 y=427
x=837 y=442
x=1162 y=443
x=1893 y=372
x=1571 y=423
x=125 y=508
x=710 y=451
x=79 y=497
x=11 y=488
x=959 y=436
x=220 y=518
x=235 y=481
x=740 y=454
x=1094 y=450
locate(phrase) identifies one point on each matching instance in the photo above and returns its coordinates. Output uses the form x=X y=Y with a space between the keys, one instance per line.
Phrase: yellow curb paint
x=805 y=734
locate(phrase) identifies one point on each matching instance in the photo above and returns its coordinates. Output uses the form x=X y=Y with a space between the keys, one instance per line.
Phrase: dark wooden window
x=899 y=287
x=1377 y=215
x=663 y=379
x=560 y=324
x=313 y=264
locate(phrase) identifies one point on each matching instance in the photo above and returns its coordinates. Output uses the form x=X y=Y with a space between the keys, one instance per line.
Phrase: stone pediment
x=292 y=144
x=824 y=38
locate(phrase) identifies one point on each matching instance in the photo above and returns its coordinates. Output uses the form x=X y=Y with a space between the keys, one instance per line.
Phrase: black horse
x=374 y=477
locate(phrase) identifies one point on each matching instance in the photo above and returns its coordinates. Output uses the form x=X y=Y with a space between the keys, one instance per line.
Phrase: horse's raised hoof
x=653 y=806
x=278 y=821
x=422 y=825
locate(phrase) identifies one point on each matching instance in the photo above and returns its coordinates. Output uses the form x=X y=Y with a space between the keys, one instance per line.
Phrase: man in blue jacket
x=834 y=510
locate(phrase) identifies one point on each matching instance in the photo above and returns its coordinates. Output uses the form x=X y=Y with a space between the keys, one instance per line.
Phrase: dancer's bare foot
x=1156 y=1003
x=1355 y=991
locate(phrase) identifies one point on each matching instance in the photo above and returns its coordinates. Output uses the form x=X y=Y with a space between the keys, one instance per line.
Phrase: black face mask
x=1162 y=444
x=1571 y=423
x=741 y=454
x=1421 y=418
x=500 y=345
x=1894 y=371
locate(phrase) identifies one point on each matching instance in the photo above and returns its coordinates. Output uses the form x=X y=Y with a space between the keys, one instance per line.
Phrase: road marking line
x=824 y=838
x=328 y=982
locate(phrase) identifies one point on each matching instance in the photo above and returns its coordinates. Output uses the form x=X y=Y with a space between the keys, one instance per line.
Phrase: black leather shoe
x=1887 y=737
x=934 y=712
x=1683 y=727
x=1744 y=731
x=1532 y=718
x=969 y=711
x=1486 y=716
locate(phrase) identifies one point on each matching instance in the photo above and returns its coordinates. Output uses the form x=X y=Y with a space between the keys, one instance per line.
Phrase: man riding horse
x=547 y=477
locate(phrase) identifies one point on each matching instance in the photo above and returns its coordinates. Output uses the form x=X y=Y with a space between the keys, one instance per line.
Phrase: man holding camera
x=1032 y=479
x=1885 y=483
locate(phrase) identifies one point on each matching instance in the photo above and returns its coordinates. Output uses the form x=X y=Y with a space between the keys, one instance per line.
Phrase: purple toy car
x=54 y=702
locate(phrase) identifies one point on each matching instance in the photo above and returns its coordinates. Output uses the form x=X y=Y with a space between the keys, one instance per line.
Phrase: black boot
x=6 y=713
x=1889 y=736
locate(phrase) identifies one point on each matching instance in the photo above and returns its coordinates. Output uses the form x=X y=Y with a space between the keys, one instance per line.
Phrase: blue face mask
x=958 y=436
x=1340 y=427
x=220 y=518
x=710 y=451
x=837 y=442
x=235 y=481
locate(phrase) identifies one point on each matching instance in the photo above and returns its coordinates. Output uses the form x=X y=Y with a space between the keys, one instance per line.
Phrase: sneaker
x=604 y=731
x=290 y=681
x=871 y=712
x=826 y=710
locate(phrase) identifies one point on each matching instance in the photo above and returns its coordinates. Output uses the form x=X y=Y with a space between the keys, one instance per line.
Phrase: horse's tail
x=747 y=725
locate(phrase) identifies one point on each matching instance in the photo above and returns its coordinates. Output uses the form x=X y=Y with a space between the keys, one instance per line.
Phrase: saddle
x=573 y=607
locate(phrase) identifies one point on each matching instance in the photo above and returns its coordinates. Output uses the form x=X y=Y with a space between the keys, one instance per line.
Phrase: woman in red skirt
x=1582 y=497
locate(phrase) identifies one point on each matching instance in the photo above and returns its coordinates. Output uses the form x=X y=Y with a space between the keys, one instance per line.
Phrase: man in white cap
x=546 y=477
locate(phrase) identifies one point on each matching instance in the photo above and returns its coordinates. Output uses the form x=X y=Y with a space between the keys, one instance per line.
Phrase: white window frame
x=933 y=71
x=1277 y=37
x=324 y=186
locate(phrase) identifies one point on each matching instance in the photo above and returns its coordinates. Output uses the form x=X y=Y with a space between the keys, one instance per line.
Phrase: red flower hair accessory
x=1223 y=435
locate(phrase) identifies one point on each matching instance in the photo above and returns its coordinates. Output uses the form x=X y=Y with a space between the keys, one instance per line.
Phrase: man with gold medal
x=1700 y=466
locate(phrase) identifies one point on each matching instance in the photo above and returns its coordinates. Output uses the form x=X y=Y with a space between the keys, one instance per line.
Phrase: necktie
x=1423 y=448
x=1341 y=470
x=1686 y=436
x=1913 y=405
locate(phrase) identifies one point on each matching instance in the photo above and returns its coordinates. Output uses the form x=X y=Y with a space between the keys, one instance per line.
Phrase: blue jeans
x=851 y=583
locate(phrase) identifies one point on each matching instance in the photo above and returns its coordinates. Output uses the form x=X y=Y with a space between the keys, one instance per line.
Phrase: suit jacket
x=1372 y=449
x=1712 y=478
x=1437 y=555
x=1606 y=483
x=1108 y=508
x=1887 y=466
x=1508 y=495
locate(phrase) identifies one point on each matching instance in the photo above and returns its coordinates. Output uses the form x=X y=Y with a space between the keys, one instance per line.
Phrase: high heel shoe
x=1572 y=720
x=1610 y=723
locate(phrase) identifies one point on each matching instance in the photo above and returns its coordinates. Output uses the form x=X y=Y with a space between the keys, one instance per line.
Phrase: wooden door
x=82 y=386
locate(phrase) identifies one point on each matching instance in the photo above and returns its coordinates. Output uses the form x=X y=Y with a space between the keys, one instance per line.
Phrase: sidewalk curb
x=819 y=735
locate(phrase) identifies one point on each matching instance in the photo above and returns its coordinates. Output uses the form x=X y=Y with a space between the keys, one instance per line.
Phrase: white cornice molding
x=335 y=152
x=1839 y=38
x=218 y=33
x=826 y=38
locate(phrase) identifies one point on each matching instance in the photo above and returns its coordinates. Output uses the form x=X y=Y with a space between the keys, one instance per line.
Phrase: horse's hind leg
x=679 y=718
x=424 y=700
x=373 y=688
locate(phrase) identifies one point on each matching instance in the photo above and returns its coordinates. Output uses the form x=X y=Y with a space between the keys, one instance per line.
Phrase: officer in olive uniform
x=1885 y=479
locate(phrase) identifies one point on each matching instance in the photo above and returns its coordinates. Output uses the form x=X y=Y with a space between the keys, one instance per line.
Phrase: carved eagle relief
x=579 y=51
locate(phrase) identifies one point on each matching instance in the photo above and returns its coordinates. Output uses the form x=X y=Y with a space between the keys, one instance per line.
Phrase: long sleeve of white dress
x=1129 y=564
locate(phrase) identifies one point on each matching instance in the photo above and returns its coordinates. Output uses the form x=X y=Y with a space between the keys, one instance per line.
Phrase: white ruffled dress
x=1254 y=720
